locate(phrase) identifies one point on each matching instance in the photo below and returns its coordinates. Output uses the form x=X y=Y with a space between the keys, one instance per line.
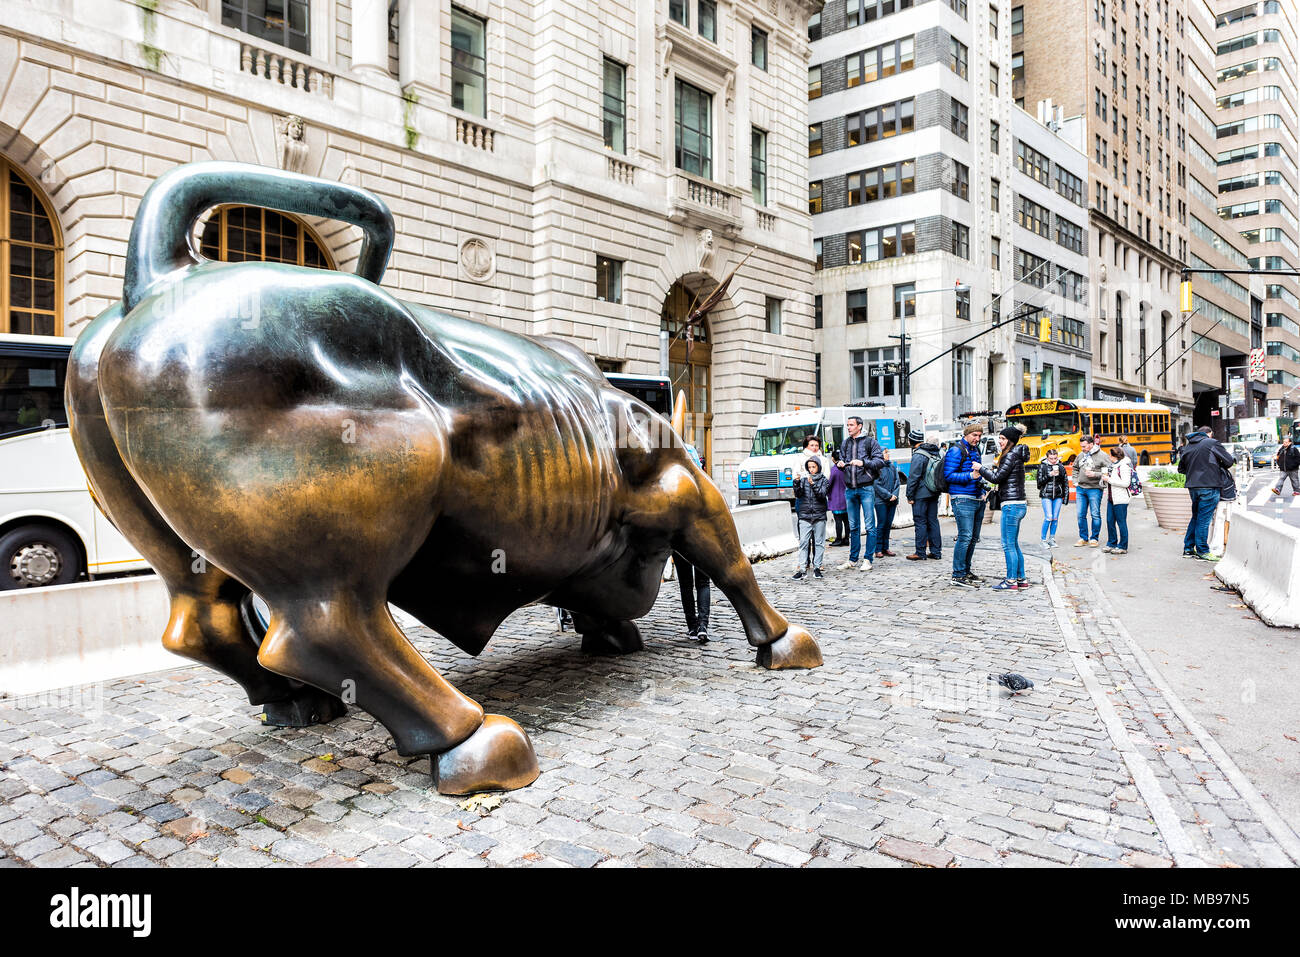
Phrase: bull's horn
x=679 y=412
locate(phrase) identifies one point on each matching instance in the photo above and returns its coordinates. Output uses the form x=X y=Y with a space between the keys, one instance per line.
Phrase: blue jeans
x=1088 y=503
x=969 y=512
x=1117 y=525
x=925 y=516
x=1051 y=515
x=884 y=522
x=863 y=500
x=1013 y=513
x=1204 y=502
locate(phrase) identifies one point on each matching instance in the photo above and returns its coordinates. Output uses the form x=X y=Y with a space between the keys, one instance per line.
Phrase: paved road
x=1260 y=498
x=897 y=752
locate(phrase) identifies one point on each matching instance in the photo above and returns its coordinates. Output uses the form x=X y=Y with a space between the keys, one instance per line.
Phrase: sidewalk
x=897 y=752
x=1237 y=676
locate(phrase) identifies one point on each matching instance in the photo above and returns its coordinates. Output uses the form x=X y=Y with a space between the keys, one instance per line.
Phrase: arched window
x=31 y=258
x=243 y=233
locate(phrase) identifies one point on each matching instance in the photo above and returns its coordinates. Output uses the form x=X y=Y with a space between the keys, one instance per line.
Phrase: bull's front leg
x=686 y=504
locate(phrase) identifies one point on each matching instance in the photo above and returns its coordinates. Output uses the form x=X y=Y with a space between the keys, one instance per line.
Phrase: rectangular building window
x=994 y=132
x=817 y=254
x=995 y=196
x=814 y=139
x=817 y=312
x=694 y=130
x=961 y=242
x=468 y=62
x=1034 y=218
x=1017 y=25
x=957 y=56
x=1069 y=235
x=958 y=119
x=881 y=182
x=993 y=80
x=815 y=196
x=905 y=301
x=880 y=122
x=1017 y=67
x=772 y=315
x=995 y=253
x=814 y=82
x=758 y=165
x=857 y=12
x=961 y=180
x=679 y=12
x=615 y=106
x=771 y=396
x=963 y=381
x=286 y=22
x=896 y=56
x=609 y=279
x=758 y=48
x=880 y=385
x=709 y=20
x=855 y=305
x=963 y=304
x=1033 y=163
x=881 y=242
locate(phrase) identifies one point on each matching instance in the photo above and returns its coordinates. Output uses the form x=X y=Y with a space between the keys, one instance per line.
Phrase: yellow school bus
x=1058 y=423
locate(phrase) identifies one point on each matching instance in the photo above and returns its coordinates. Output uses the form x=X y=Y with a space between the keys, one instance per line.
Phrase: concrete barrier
x=1262 y=562
x=79 y=634
x=765 y=530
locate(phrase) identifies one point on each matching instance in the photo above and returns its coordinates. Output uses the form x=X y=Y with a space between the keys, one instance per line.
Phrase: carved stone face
x=294 y=128
x=706 y=241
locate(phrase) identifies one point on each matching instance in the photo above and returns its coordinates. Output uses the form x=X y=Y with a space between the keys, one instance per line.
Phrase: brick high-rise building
x=1140 y=75
x=582 y=169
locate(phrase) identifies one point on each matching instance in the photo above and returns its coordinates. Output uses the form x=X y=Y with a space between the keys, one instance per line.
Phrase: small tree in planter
x=1166 y=492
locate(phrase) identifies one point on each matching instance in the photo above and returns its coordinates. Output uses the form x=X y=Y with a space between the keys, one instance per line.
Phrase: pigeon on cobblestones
x=1012 y=682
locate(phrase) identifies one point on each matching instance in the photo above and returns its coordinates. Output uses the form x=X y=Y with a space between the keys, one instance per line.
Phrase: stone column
x=370 y=36
x=419 y=56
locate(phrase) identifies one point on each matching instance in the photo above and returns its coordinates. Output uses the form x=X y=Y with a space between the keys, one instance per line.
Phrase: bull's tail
x=160 y=235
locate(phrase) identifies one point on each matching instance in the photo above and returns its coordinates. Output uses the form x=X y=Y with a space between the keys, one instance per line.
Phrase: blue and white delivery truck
x=776 y=456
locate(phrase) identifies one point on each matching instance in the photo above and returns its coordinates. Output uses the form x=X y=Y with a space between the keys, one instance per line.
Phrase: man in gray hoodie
x=1089 y=467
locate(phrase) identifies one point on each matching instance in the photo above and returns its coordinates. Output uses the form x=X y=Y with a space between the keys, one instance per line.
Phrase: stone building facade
x=532 y=155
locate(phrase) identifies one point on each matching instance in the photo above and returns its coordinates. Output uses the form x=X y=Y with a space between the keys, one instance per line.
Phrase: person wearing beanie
x=961 y=470
x=810 y=495
x=1008 y=474
x=924 y=498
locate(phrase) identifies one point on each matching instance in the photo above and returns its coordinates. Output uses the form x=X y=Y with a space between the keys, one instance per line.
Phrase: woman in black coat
x=1053 y=492
x=1008 y=473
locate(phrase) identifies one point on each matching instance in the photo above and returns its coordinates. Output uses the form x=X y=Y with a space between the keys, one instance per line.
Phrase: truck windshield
x=1054 y=423
x=784 y=440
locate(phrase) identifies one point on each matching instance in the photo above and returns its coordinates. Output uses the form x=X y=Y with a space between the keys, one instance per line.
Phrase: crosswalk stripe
x=1262 y=496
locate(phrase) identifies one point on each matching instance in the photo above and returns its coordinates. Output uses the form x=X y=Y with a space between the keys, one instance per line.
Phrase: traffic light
x=1185 y=296
x=1045 y=328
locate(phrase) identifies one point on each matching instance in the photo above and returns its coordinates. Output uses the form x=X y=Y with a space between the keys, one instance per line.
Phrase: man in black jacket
x=1203 y=462
x=1288 y=463
x=925 y=500
x=860 y=457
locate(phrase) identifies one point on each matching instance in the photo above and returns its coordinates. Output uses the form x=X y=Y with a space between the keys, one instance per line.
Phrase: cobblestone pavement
x=897 y=752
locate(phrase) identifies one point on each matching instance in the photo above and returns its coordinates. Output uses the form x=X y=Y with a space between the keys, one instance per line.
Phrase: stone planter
x=1173 y=506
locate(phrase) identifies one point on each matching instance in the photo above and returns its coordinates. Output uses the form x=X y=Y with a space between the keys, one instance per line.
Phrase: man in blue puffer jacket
x=966 y=489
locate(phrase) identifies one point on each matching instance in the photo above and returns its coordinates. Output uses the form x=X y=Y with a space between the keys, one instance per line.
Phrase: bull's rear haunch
x=302 y=435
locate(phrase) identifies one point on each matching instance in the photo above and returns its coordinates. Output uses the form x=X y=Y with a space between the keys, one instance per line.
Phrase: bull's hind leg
x=350 y=646
x=695 y=514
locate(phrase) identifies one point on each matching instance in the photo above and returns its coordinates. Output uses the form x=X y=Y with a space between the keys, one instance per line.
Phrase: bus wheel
x=35 y=555
x=1145 y=459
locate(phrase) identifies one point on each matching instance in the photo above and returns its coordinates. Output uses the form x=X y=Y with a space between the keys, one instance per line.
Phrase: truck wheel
x=32 y=556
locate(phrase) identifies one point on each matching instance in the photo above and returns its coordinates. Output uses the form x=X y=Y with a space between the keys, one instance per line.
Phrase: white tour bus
x=51 y=532
x=776 y=456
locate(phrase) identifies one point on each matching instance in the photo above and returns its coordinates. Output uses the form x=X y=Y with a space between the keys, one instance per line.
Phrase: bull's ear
x=679 y=412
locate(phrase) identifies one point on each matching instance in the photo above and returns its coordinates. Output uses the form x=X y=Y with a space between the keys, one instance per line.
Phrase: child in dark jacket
x=811 y=493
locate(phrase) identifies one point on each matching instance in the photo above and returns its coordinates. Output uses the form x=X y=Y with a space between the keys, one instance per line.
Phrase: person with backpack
x=924 y=486
x=1053 y=491
x=1204 y=463
x=1116 y=484
x=961 y=473
x=1008 y=474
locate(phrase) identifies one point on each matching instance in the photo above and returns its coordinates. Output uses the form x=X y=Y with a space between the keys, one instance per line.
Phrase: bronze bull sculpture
x=262 y=428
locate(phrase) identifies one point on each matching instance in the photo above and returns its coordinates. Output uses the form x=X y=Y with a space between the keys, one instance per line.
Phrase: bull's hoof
x=496 y=757
x=308 y=706
x=618 y=638
x=795 y=649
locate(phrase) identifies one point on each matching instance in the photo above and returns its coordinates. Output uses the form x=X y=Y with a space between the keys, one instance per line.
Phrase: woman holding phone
x=1008 y=473
x=1053 y=490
